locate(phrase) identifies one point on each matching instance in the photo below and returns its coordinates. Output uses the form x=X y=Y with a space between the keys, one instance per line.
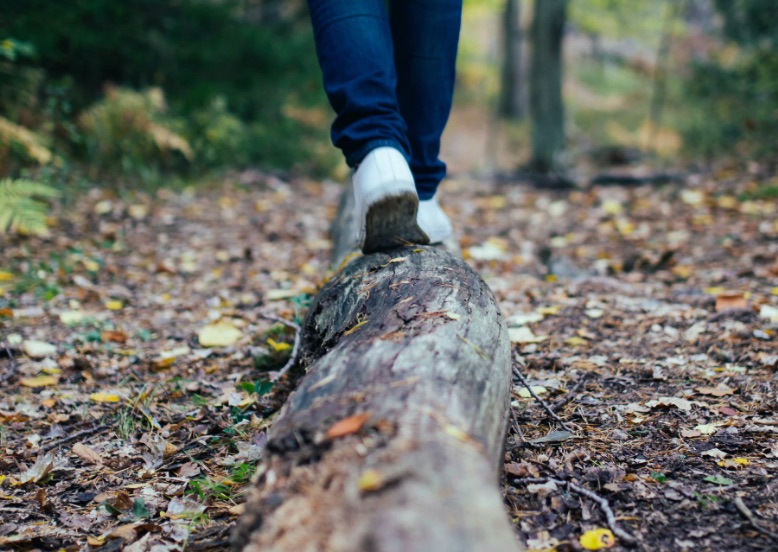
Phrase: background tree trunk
x=512 y=87
x=546 y=105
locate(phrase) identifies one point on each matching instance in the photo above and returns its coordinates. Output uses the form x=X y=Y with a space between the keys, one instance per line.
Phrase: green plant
x=23 y=206
x=129 y=130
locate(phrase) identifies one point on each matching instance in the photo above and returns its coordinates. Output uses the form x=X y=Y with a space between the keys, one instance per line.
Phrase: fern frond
x=21 y=207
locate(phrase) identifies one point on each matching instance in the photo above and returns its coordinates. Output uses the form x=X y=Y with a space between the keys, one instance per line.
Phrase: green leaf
x=139 y=509
x=718 y=480
x=263 y=387
x=246 y=386
x=659 y=477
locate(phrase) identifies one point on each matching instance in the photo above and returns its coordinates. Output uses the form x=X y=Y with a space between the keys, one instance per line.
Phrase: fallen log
x=393 y=439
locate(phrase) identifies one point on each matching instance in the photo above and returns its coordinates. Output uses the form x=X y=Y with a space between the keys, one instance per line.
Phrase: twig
x=545 y=406
x=625 y=536
x=748 y=514
x=275 y=376
x=77 y=435
x=570 y=394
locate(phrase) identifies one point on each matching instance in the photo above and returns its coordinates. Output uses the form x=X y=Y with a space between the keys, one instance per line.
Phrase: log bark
x=393 y=440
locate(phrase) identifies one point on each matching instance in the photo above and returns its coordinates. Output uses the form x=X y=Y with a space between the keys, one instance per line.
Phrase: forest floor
x=137 y=339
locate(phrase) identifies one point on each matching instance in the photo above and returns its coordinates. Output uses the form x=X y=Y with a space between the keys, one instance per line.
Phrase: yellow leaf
x=71 y=317
x=221 y=334
x=551 y=278
x=774 y=291
x=6 y=276
x=597 y=539
x=39 y=381
x=549 y=311
x=114 y=305
x=612 y=207
x=537 y=389
x=278 y=347
x=105 y=397
x=370 y=480
x=575 y=341
x=95 y=541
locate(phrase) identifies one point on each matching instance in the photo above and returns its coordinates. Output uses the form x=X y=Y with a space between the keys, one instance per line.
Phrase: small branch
x=77 y=435
x=570 y=394
x=542 y=403
x=755 y=523
x=625 y=536
x=275 y=376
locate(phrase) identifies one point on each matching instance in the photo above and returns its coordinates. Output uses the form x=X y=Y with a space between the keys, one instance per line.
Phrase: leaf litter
x=140 y=405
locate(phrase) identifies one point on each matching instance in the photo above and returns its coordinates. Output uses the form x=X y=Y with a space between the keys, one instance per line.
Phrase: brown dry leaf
x=86 y=454
x=347 y=426
x=730 y=300
x=42 y=468
x=127 y=532
x=113 y=336
x=719 y=391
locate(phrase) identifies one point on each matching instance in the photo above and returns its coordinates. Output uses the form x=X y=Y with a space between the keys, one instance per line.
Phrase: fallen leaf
x=38 y=349
x=43 y=467
x=220 y=334
x=347 y=426
x=681 y=404
x=714 y=453
x=105 y=397
x=524 y=335
x=707 y=429
x=86 y=454
x=70 y=318
x=597 y=539
x=112 y=336
x=524 y=393
x=542 y=489
x=730 y=300
x=733 y=463
x=690 y=433
x=556 y=436
x=114 y=305
x=370 y=480
x=719 y=391
x=718 y=480
x=769 y=312
x=39 y=381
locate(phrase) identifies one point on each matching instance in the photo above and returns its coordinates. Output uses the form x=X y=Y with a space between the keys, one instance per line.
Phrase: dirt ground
x=137 y=338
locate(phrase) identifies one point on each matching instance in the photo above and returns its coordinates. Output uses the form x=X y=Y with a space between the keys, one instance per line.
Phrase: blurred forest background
x=140 y=94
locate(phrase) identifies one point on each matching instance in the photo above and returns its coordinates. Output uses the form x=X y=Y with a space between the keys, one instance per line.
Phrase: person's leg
x=426 y=35
x=354 y=46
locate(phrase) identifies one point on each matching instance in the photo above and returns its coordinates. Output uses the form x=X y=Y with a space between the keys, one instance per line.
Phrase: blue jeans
x=389 y=76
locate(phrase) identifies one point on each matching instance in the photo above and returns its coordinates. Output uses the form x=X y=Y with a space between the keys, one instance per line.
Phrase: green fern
x=22 y=208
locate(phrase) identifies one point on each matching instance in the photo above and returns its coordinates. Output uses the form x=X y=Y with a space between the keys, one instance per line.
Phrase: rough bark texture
x=414 y=342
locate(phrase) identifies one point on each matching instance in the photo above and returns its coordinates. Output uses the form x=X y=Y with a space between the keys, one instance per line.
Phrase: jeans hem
x=354 y=158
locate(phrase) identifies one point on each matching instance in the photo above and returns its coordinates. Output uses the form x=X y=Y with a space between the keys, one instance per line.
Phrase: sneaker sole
x=391 y=222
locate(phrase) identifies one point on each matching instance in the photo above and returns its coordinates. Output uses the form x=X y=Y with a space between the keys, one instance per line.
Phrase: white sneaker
x=386 y=202
x=433 y=221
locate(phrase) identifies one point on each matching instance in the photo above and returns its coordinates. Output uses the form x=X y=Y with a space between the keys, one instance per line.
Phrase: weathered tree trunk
x=546 y=106
x=512 y=87
x=409 y=352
